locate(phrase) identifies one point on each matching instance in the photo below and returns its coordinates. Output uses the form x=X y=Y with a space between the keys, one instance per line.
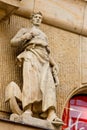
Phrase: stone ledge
x=67 y=15
x=31 y=124
x=7 y=8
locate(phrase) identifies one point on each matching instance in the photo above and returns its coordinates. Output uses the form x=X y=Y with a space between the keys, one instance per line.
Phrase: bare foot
x=27 y=113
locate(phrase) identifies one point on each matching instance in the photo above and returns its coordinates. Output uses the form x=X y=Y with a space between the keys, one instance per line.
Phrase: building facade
x=65 y=24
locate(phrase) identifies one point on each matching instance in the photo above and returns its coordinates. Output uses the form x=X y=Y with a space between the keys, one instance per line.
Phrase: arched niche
x=75 y=110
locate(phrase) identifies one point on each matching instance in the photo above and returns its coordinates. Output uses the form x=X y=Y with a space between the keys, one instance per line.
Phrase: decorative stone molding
x=7 y=8
x=68 y=15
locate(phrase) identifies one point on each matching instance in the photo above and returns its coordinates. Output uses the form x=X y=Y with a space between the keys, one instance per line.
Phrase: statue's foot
x=27 y=114
x=57 y=121
x=54 y=119
x=15 y=117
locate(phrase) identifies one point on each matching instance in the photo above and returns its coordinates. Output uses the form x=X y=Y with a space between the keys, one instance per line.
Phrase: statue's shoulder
x=23 y=30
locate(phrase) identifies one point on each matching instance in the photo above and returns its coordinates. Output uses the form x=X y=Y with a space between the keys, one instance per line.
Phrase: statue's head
x=37 y=18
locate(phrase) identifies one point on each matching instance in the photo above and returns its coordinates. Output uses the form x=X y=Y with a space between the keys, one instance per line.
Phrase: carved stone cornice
x=8 y=7
x=67 y=15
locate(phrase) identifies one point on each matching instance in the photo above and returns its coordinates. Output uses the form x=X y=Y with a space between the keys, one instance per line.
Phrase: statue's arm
x=21 y=37
x=52 y=62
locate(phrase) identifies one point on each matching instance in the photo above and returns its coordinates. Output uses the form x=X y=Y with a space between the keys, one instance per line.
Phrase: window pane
x=75 y=114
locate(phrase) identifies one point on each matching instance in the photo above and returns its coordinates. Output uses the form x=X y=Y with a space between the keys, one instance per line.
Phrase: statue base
x=34 y=122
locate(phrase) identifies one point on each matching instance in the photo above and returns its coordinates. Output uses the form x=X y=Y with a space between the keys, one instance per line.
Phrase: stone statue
x=39 y=72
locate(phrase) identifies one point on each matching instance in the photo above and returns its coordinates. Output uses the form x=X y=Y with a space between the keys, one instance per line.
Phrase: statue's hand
x=55 y=74
x=55 y=70
x=27 y=36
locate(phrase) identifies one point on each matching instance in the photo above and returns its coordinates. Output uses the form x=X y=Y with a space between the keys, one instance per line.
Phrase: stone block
x=31 y=124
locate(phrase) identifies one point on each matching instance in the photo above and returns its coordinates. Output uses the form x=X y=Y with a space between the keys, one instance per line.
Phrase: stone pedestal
x=31 y=124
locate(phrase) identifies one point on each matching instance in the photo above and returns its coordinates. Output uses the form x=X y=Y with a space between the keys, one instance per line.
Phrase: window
x=75 y=113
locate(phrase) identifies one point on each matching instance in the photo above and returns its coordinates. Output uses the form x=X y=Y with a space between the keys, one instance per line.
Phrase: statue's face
x=37 y=19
